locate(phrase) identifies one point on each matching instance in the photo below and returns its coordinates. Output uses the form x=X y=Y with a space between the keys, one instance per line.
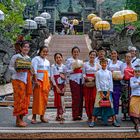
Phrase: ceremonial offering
x=116 y=74
x=77 y=64
x=23 y=64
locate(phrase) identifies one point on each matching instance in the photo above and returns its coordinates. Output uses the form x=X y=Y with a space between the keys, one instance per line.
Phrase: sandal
x=33 y=121
x=44 y=120
x=58 y=119
x=91 y=124
x=21 y=124
x=63 y=119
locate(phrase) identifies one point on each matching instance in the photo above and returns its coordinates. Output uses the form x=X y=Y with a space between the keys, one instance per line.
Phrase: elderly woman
x=128 y=72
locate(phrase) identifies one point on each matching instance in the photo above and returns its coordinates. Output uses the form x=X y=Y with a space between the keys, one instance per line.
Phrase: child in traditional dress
x=41 y=67
x=59 y=83
x=134 y=111
x=104 y=85
x=21 y=81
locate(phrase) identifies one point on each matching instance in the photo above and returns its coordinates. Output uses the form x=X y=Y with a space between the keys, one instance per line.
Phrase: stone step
x=68 y=132
x=50 y=99
x=50 y=104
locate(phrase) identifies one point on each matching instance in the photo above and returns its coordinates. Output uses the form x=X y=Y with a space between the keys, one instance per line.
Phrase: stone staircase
x=58 y=43
x=64 y=43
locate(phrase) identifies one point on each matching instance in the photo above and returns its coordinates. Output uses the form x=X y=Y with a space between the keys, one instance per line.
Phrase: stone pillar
x=86 y=23
x=51 y=23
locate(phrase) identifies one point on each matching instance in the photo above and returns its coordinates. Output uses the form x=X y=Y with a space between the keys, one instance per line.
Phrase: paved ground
x=70 y=129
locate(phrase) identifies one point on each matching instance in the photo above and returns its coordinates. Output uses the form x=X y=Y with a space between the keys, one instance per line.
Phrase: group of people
x=100 y=82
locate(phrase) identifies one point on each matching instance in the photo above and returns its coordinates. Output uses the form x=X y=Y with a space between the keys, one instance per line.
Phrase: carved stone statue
x=6 y=52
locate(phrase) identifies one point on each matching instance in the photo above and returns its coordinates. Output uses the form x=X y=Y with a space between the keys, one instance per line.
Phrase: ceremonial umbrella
x=124 y=16
x=102 y=25
x=94 y=20
x=75 y=22
x=90 y=16
x=45 y=15
x=40 y=20
x=1 y=15
x=30 y=24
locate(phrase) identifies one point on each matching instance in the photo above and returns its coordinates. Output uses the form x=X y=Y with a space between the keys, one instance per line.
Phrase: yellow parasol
x=75 y=22
x=94 y=20
x=124 y=16
x=102 y=25
x=90 y=16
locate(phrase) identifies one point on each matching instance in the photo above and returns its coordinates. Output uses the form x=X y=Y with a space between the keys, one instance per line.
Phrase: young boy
x=104 y=85
x=134 y=111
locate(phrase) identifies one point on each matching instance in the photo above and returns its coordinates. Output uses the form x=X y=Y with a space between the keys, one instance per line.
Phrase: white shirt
x=135 y=87
x=89 y=69
x=22 y=76
x=39 y=63
x=73 y=76
x=104 y=80
x=116 y=66
x=135 y=61
x=56 y=70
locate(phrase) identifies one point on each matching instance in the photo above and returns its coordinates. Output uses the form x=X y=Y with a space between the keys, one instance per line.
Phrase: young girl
x=58 y=80
x=74 y=69
x=42 y=84
x=134 y=111
x=22 y=86
x=104 y=85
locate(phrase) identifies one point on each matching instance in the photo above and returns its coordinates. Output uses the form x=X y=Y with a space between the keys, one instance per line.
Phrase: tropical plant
x=11 y=26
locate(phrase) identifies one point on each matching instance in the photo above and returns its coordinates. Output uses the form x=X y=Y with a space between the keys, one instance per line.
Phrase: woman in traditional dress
x=21 y=81
x=41 y=90
x=74 y=69
x=128 y=72
x=89 y=70
x=59 y=82
x=115 y=67
x=104 y=85
x=134 y=111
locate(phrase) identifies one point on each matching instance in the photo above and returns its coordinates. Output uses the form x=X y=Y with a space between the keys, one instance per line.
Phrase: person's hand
x=64 y=89
x=18 y=70
x=62 y=76
x=36 y=83
x=102 y=95
x=58 y=89
x=107 y=95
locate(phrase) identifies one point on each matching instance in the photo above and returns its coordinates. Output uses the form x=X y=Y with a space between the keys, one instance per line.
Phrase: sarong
x=58 y=99
x=89 y=96
x=40 y=95
x=135 y=107
x=116 y=95
x=77 y=99
x=21 y=98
